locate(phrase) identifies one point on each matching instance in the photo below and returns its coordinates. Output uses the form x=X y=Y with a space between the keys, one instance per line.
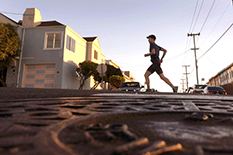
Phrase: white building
x=50 y=53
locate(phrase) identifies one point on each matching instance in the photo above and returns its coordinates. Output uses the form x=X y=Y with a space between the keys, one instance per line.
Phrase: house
x=50 y=53
x=224 y=78
x=110 y=62
x=18 y=28
x=94 y=54
x=126 y=74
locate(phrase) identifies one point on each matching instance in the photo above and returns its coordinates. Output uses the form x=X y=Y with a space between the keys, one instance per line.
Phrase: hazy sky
x=122 y=27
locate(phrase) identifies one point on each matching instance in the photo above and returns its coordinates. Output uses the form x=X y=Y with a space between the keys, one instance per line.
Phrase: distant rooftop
x=51 y=23
x=10 y=19
x=89 y=39
x=45 y=23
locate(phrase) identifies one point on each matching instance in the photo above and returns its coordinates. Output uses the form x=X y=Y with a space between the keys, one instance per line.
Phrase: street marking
x=190 y=106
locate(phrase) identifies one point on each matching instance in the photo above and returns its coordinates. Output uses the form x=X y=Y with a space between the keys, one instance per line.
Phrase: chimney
x=31 y=18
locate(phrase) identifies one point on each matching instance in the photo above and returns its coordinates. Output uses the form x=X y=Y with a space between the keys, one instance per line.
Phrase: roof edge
x=10 y=19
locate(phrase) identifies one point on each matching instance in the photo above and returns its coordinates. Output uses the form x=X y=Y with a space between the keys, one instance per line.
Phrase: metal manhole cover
x=137 y=133
x=120 y=125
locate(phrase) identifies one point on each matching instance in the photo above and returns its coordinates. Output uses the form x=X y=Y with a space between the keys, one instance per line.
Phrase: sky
x=122 y=27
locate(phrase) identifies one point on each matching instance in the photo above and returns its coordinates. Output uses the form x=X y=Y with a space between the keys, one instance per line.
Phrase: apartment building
x=224 y=78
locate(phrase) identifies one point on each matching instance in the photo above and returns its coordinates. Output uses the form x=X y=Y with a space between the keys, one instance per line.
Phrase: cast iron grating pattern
x=21 y=121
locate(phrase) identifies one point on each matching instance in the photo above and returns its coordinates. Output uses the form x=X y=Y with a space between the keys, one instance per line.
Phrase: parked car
x=214 y=90
x=131 y=86
x=197 y=89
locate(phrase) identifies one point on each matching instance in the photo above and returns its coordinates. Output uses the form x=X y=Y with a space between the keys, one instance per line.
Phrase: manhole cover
x=139 y=133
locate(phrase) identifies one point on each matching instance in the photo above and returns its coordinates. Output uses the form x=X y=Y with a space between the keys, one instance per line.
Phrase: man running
x=155 y=67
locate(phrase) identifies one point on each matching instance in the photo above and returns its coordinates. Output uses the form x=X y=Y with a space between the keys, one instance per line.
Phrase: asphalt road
x=47 y=121
x=7 y=93
x=29 y=93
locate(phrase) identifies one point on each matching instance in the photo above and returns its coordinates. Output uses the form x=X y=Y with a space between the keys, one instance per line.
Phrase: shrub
x=116 y=80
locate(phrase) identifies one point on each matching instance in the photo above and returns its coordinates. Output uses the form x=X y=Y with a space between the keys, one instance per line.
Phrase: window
x=48 y=85
x=40 y=72
x=29 y=86
x=50 y=67
x=96 y=55
x=30 y=76
x=49 y=76
x=53 y=40
x=31 y=67
x=40 y=81
x=70 y=44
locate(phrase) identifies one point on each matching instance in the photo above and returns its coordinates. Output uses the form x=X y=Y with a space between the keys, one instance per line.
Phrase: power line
x=193 y=16
x=191 y=72
x=136 y=65
x=172 y=58
x=216 y=41
x=216 y=23
x=13 y=13
x=187 y=43
x=198 y=15
x=209 y=58
x=208 y=15
x=185 y=58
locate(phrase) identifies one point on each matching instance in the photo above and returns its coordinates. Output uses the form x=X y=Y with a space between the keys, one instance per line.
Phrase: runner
x=156 y=61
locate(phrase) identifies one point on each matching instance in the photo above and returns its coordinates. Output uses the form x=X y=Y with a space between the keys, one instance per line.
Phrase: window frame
x=95 y=52
x=54 y=37
x=70 y=43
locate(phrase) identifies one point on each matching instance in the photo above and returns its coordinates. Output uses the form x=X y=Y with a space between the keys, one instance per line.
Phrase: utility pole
x=186 y=75
x=182 y=84
x=193 y=35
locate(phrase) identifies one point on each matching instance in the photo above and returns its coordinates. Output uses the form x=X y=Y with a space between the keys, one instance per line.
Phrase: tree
x=111 y=70
x=88 y=68
x=97 y=79
x=9 y=47
x=116 y=80
x=85 y=70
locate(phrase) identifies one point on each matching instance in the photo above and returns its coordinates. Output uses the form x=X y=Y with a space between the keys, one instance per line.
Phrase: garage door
x=39 y=76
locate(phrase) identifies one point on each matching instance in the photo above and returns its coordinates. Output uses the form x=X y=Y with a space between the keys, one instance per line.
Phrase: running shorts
x=155 y=67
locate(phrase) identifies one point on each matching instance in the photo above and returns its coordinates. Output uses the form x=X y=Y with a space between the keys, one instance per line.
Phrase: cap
x=151 y=36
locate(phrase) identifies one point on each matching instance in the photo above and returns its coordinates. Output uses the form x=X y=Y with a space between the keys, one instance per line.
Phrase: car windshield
x=200 y=86
x=215 y=89
x=130 y=84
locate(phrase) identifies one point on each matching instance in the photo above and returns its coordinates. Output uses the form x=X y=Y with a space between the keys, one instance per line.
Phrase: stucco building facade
x=224 y=78
x=94 y=54
x=50 y=54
